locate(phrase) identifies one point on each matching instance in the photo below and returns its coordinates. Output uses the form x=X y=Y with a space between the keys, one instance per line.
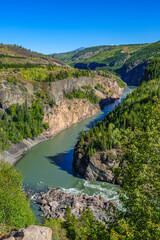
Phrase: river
x=50 y=163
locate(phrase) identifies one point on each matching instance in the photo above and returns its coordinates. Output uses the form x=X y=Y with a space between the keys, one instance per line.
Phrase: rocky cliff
x=11 y=94
x=58 y=88
x=133 y=74
x=68 y=112
x=98 y=167
x=63 y=113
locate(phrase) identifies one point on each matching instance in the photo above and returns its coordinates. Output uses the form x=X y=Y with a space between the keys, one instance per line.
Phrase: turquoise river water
x=50 y=163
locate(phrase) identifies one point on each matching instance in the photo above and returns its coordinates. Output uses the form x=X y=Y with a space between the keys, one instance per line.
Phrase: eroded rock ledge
x=99 y=166
x=54 y=202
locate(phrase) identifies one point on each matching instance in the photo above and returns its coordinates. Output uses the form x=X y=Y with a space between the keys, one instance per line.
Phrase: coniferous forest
x=133 y=128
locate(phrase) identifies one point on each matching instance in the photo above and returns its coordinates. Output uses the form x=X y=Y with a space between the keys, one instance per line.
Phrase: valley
x=80 y=138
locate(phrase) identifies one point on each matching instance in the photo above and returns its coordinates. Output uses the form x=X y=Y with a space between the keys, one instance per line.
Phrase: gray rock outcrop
x=31 y=233
x=67 y=85
x=133 y=75
x=10 y=95
x=98 y=167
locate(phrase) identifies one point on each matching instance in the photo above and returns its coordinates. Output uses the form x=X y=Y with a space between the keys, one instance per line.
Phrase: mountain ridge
x=128 y=61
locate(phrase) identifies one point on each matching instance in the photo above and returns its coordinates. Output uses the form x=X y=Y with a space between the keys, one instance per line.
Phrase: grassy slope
x=110 y=55
x=116 y=58
x=18 y=54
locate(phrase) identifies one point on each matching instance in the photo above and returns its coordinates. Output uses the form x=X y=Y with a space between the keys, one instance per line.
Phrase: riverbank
x=53 y=203
x=63 y=115
x=50 y=163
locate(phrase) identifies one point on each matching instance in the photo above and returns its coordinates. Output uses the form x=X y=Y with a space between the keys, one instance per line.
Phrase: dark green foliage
x=152 y=71
x=89 y=95
x=58 y=230
x=10 y=56
x=83 y=228
x=146 y=53
x=107 y=57
x=46 y=125
x=112 y=58
x=97 y=86
x=9 y=79
x=74 y=73
x=20 y=122
x=132 y=113
x=15 y=211
x=49 y=73
x=134 y=127
x=19 y=65
x=51 y=78
x=87 y=87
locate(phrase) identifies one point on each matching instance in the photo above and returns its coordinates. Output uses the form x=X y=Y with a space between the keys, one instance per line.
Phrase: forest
x=19 y=122
x=134 y=113
x=134 y=128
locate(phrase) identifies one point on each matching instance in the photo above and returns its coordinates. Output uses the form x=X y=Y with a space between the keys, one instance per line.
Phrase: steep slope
x=124 y=149
x=18 y=54
x=128 y=61
x=36 y=99
x=98 y=150
x=133 y=70
x=110 y=57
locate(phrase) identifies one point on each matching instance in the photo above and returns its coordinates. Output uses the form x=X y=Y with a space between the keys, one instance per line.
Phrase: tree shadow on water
x=63 y=161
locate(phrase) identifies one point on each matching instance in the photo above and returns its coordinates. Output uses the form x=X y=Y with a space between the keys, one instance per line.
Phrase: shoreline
x=17 y=150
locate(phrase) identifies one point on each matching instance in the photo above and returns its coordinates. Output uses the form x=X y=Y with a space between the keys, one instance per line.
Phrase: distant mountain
x=111 y=56
x=128 y=61
x=79 y=49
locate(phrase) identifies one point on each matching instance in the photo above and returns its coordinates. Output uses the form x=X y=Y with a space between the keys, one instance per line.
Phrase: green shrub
x=89 y=95
x=9 y=80
x=58 y=231
x=15 y=209
x=46 y=125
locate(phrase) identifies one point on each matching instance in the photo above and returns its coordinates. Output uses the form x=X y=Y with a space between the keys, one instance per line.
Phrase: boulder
x=31 y=233
x=60 y=200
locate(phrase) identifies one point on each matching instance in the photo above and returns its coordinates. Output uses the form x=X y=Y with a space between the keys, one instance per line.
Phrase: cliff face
x=63 y=113
x=58 y=88
x=98 y=166
x=133 y=75
x=66 y=113
x=10 y=94
x=110 y=86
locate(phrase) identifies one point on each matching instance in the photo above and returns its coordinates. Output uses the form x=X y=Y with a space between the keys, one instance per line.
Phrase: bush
x=58 y=232
x=15 y=209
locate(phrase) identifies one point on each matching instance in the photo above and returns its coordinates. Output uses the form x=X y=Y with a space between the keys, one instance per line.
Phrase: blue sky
x=58 y=26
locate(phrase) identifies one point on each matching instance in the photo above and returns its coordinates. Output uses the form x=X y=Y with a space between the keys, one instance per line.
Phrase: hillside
x=38 y=98
x=124 y=149
x=93 y=57
x=132 y=114
x=128 y=61
x=18 y=54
